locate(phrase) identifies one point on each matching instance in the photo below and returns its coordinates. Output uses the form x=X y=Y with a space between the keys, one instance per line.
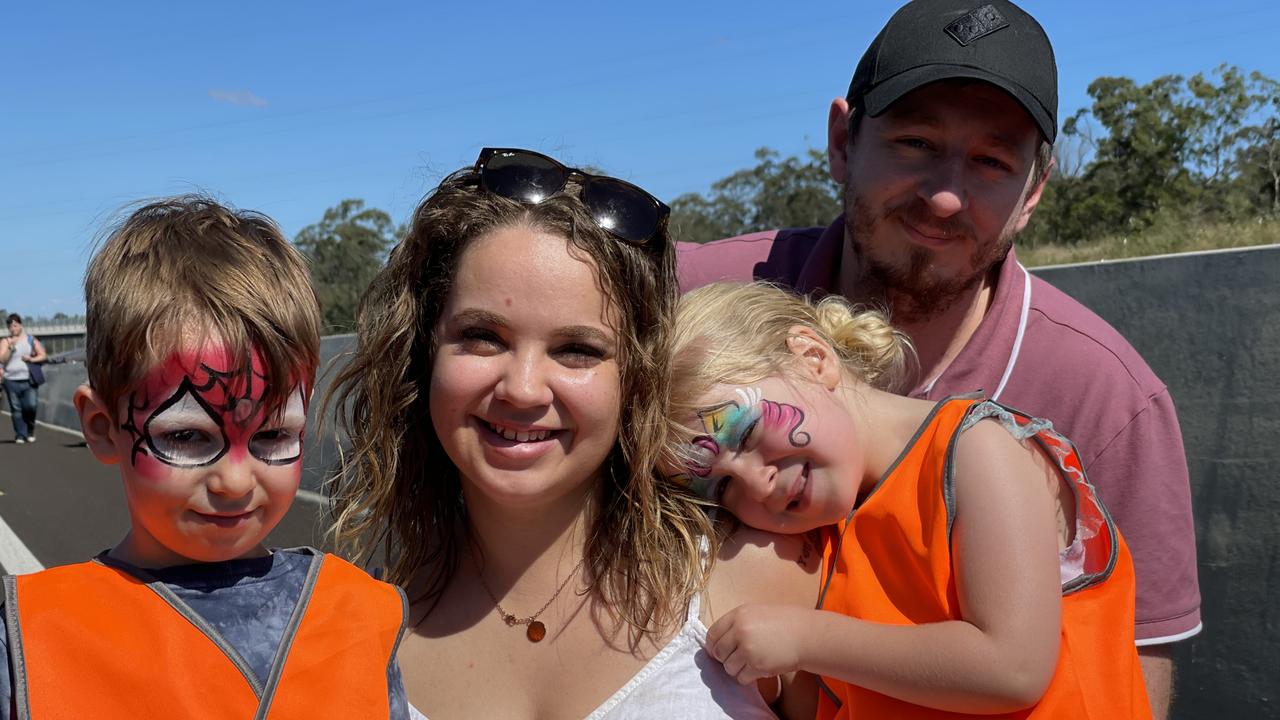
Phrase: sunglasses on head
x=627 y=212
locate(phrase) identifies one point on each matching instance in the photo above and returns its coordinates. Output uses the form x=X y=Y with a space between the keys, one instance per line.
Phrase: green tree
x=775 y=193
x=1141 y=165
x=1170 y=150
x=1223 y=108
x=1258 y=161
x=346 y=249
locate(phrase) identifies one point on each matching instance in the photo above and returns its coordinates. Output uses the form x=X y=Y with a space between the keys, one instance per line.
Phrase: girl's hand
x=759 y=641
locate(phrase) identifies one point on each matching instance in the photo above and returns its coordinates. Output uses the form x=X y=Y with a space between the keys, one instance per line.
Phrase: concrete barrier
x=1209 y=324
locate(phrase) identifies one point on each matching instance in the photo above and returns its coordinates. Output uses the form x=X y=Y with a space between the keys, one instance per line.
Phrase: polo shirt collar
x=989 y=358
x=821 y=270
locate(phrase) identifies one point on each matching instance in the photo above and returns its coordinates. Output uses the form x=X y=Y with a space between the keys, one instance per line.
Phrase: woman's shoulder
x=755 y=566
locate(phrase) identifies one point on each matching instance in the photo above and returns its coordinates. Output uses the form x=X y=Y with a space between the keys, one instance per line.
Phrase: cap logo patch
x=976 y=24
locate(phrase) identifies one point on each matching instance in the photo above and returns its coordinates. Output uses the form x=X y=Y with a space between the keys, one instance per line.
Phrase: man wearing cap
x=943 y=145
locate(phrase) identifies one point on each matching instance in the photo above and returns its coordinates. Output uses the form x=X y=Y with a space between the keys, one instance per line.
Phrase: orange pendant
x=536 y=631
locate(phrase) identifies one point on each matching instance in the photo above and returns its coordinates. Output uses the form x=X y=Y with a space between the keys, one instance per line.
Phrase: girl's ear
x=816 y=357
x=96 y=424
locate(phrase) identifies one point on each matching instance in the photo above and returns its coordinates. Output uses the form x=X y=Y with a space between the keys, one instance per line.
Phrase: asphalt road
x=63 y=506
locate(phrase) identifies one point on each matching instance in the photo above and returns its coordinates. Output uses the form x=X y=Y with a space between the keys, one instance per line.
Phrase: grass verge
x=1161 y=239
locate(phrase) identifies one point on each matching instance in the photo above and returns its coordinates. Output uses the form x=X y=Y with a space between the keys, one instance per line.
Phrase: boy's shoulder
x=285 y=565
x=209 y=579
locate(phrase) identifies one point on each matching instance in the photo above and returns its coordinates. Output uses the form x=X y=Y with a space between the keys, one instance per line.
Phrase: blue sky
x=289 y=107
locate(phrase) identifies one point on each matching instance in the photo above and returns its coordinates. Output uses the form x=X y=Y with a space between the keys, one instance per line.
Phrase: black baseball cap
x=931 y=40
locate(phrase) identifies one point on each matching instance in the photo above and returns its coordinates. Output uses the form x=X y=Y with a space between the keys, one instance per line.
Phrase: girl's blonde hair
x=736 y=333
x=399 y=495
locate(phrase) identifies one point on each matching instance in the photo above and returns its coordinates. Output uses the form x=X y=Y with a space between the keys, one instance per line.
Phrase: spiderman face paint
x=207 y=408
x=777 y=454
x=207 y=472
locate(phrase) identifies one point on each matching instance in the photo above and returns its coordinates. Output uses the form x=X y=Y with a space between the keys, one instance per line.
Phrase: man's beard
x=914 y=289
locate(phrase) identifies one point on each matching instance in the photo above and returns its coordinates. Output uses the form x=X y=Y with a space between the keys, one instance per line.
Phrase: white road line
x=15 y=558
x=311 y=496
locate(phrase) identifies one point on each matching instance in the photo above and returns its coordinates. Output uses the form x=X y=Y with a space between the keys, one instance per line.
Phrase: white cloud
x=243 y=98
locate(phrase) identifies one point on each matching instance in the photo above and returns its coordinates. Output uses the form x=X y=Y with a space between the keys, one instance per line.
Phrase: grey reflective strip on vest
x=395 y=648
x=290 y=632
x=17 y=660
x=1032 y=430
x=175 y=602
x=1008 y=420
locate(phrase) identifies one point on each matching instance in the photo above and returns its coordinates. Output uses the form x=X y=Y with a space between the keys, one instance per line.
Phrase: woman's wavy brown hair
x=399 y=495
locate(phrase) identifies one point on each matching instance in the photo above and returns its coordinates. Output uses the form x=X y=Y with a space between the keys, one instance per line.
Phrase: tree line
x=1176 y=150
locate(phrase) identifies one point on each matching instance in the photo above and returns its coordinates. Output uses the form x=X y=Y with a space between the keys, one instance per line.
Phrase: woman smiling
x=506 y=407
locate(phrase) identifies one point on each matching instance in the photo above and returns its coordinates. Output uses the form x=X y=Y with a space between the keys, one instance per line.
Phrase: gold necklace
x=535 y=631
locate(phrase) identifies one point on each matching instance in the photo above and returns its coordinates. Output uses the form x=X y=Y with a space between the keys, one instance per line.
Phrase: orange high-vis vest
x=890 y=562
x=92 y=641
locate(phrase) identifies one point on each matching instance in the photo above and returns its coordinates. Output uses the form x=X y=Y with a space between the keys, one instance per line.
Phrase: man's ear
x=1034 y=194
x=838 y=140
x=816 y=357
x=96 y=424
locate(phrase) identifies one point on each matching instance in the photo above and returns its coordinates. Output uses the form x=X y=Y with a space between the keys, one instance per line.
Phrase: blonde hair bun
x=865 y=340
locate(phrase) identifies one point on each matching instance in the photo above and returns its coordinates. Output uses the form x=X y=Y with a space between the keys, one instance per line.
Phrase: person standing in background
x=16 y=351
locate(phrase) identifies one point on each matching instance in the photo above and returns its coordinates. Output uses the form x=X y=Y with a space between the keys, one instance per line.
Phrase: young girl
x=969 y=566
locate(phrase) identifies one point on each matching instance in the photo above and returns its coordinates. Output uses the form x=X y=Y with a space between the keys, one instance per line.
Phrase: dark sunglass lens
x=522 y=176
x=622 y=209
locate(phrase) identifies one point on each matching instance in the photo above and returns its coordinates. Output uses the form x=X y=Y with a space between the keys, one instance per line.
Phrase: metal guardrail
x=55 y=329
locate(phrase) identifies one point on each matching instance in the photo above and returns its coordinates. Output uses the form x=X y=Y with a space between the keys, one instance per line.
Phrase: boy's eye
x=276 y=446
x=187 y=447
x=185 y=437
x=183 y=432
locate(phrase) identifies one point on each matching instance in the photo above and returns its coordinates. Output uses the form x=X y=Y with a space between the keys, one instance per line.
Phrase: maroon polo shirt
x=1042 y=352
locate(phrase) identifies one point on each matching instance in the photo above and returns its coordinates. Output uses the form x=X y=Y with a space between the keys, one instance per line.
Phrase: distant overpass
x=58 y=337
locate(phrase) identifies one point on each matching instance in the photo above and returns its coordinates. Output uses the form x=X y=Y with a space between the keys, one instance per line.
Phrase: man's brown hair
x=188 y=267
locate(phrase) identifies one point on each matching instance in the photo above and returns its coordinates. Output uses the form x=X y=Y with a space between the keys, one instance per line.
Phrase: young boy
x=203 y=343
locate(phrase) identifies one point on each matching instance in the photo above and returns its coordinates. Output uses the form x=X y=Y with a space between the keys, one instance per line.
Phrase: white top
x=14 y=367
x=681 y=681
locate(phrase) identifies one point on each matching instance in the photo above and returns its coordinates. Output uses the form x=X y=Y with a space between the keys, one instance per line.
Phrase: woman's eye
x=276 y=446
x=580 y=355
x=480 y=340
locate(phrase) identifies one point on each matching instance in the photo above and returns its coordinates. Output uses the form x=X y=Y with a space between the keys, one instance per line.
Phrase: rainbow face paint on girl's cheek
x=728 y=425
x=194 y=408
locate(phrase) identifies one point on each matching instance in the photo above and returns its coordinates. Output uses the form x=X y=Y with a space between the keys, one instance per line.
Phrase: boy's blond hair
x=187 y=267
